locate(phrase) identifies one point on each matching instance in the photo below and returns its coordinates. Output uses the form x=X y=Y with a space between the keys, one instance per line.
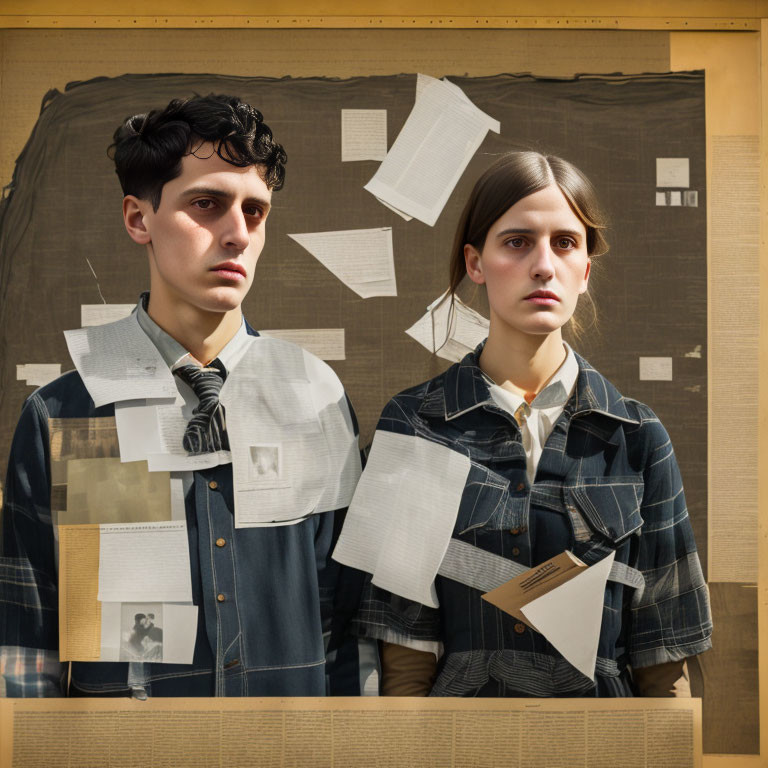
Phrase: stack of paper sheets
x=440 y=137
x=449 y=329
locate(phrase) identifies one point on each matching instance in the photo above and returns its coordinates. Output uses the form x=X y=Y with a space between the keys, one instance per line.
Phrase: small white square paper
x=363 y=134
x=672 y=172
x=655 y=369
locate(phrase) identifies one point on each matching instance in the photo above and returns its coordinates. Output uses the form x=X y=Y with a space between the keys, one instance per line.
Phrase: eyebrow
x=223 y=194
x=522 y=231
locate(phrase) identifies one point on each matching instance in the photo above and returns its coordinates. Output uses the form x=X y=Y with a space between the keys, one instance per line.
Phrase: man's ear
x=474 y=264
x=135 y=218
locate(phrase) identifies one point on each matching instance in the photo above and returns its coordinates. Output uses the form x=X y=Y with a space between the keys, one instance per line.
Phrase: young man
x=198 y=178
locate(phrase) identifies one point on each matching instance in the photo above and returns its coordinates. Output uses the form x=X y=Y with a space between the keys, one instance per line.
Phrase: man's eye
x=253 y=210
x=205 y=204
x=516 y=242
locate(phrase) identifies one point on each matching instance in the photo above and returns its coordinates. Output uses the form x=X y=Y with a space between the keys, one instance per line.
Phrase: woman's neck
x=522 y=363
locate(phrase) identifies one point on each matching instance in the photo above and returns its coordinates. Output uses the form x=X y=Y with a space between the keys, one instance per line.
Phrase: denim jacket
x=265 y=597
x=607 y=481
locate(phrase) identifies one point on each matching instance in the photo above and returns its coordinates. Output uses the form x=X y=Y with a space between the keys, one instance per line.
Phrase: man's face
x=206 y=236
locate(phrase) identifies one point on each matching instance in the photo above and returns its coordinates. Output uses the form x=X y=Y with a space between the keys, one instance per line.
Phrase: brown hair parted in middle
x=512 y=177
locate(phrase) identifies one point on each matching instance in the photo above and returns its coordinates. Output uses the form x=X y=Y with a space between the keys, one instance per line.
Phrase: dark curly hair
x=148 y=148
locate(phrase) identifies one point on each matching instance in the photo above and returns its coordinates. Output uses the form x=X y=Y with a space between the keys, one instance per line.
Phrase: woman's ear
x=135 y=219
x=474 y=264
x=585 y=284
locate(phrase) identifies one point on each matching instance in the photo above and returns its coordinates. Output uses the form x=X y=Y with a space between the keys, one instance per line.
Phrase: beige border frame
x=693 y=16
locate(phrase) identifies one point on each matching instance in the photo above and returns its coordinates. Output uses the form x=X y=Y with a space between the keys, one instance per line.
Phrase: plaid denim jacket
x=283 y=592
x=607 y=480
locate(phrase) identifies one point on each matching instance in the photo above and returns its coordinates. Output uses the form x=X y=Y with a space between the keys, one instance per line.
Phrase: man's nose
x=235 y=233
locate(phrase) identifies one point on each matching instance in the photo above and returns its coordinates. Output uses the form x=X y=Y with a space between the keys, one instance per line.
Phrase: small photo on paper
x=141 y=632
x=265 y=464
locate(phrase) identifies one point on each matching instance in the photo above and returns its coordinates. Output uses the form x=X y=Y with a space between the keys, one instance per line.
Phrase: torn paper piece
x=137 y=428
x=118 y=362
x=675 y=198
x=403 y=513
x=325 y=343
x=570 y=616
x=144 y=562
x=655 y=369
x=148 y=632
x=332 y=408
x=661 y=198
x=672 y=172
x=449 y=330
x=362 y=259
x=439 y=138
x=109 y=491
x=38 y=374
x=695 y=352
x=79 y=608
x=363 y=134
x=691 y=198
x=178 y=494
x=269 y=401
x=75 y=439
x=100 y=314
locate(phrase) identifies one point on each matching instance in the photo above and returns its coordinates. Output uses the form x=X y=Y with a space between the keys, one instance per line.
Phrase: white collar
x=554 y=395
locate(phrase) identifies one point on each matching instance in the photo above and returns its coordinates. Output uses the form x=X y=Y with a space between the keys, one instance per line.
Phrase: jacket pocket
x=484 y=503
x=610 y=506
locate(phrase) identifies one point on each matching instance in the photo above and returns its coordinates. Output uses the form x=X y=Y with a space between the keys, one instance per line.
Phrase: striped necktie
x=206 y=431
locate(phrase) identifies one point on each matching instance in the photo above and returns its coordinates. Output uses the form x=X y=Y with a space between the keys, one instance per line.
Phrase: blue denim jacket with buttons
x=278 y=585
x=607 y=481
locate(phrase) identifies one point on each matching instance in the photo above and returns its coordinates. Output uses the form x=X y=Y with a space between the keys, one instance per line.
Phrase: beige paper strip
x=106 y=490
x=352 y=732
x=80 y=439
x=734 y=318
x=79 y=608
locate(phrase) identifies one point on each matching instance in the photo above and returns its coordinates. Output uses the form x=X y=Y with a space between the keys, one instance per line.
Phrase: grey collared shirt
x=174 y=353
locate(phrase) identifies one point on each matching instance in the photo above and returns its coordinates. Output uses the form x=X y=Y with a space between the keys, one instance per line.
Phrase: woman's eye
x=564 y=243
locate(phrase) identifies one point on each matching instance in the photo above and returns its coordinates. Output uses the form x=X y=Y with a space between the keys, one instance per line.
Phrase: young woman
x=556 y=459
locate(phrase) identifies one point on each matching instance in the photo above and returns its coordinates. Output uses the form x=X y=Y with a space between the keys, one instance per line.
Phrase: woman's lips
x=545 y=301
x=542 y=298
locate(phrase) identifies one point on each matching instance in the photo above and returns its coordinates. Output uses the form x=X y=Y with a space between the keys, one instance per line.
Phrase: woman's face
x=534 y=264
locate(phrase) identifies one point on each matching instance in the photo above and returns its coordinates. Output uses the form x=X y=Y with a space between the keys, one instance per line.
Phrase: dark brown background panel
x=650 y=289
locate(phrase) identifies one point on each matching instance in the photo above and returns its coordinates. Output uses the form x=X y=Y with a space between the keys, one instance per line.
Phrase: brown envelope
x=511 y=596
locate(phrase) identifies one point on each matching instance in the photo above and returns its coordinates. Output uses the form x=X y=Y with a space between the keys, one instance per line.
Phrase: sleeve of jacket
x=671 y=618
x=28 y=581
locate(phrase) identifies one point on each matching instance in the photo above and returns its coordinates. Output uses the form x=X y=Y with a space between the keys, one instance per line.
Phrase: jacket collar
x=465 y=388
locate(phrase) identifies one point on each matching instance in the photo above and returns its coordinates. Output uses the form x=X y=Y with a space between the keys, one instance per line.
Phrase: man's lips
x=231 y=270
